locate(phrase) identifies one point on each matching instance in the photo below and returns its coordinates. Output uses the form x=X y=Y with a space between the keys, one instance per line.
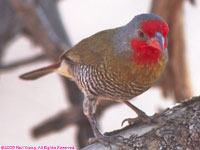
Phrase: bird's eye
x=140 y=33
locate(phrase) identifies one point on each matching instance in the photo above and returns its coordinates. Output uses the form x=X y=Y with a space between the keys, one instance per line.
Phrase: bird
x=115 y=64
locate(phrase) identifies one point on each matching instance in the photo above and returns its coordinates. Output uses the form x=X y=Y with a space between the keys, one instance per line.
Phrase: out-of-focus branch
x=22 y=62
x=73 y=115
x=28 y=12
x=176 y=75
x=10 y=26
x=42 y=24
x=193 y=2
x=178 y=130
x=58 y=122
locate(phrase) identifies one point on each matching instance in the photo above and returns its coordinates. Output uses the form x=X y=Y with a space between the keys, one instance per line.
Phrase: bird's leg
x=89 y=107
x=141 y=115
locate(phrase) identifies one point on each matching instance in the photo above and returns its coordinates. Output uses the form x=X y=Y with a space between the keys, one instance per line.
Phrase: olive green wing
x=91 y=50
x=84 y=53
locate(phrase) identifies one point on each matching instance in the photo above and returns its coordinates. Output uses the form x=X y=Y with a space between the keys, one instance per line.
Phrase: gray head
x=143 y=32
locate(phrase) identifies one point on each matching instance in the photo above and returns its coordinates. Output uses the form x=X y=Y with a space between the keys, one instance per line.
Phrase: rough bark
x=176 y=74
x=179 y=129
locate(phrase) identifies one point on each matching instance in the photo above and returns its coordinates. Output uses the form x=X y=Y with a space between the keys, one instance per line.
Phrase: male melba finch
x=116 y=64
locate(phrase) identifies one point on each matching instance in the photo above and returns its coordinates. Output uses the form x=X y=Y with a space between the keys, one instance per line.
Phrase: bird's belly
x=98 y=82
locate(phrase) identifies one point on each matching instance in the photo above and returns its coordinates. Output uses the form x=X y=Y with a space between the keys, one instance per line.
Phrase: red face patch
x=166 y=43
x=143 y=53
x=150 y=27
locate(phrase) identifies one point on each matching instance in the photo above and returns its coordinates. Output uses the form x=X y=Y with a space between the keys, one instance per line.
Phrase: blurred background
x=48 y=111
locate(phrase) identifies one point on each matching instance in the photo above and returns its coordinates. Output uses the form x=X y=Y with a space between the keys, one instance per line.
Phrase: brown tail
x=40 y=72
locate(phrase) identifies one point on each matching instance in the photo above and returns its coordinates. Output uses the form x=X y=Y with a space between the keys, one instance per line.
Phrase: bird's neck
x=121 y=41
x=149 y=73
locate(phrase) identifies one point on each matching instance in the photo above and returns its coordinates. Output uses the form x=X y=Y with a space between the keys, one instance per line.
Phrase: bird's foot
x=107 y=140
x=142 y=118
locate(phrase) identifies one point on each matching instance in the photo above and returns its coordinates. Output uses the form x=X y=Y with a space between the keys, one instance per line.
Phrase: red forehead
x=150 y=27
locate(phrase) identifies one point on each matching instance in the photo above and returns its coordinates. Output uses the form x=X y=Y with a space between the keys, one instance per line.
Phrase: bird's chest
x=148 y=74
x=101 y=82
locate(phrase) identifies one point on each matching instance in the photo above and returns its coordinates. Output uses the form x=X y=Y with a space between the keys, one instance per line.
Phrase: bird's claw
x=144 y=119
x=126 y=120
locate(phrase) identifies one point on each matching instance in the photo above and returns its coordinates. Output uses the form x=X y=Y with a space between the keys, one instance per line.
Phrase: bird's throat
x=143 y=54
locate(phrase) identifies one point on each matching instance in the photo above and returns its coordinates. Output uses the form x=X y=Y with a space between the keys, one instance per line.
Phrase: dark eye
x=140 y=34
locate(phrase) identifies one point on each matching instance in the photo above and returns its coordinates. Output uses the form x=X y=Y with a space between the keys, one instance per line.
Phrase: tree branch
x=22 y=62
x=176 y=75
x=61 y=120
x=42 y=24
x=73 y=115
x=37 y=25
x=179 y=130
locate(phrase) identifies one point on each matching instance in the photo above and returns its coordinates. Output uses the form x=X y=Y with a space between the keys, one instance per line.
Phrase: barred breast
x=97 y=81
